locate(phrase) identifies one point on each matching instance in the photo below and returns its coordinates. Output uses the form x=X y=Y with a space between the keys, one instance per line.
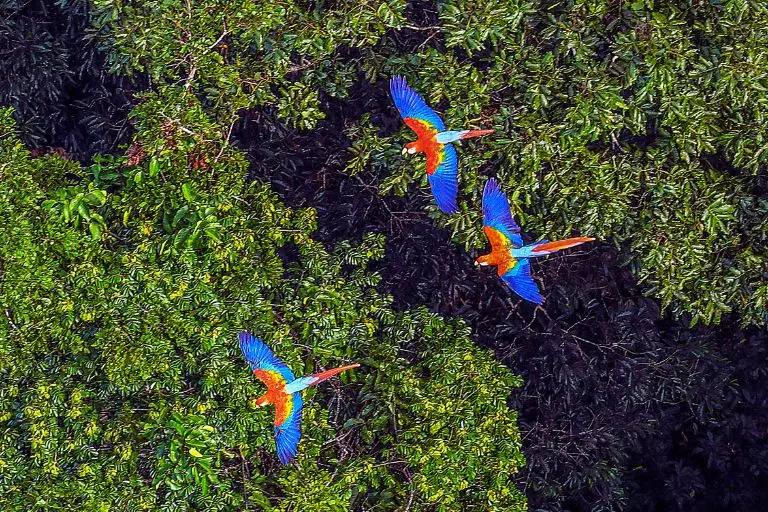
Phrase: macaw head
x=483 y=260
x=263 y=400
x=410 y=148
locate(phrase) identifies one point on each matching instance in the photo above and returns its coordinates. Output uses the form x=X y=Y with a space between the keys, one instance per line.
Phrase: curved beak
x=405 y=151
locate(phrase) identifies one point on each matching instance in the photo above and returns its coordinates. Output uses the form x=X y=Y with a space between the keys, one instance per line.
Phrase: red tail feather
x=562 y=244
x=330 y=373
x=476 y=133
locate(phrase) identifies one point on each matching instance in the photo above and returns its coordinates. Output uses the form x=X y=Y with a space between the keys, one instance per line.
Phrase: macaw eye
x=411 y=151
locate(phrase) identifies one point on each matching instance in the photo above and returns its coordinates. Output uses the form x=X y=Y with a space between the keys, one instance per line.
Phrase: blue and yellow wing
x=444 y=179
x=263 y=362
x=519 y=279
x=412 y=106
x=496 y=214
x=288 y=431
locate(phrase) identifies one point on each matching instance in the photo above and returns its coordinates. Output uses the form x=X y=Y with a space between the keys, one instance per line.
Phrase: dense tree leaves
x=123 y=384
x=622 y=408
x=639 y=122
x=53 y=75
x=614 y=121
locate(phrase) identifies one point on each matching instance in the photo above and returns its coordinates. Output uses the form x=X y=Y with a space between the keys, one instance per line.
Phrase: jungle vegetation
x=172 y=172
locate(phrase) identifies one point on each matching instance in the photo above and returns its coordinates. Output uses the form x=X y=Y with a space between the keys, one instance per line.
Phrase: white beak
x=405 y=151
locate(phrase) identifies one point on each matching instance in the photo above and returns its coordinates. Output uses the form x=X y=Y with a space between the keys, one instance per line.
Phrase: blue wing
x=445 y=181
x=410 y=104
x=496 y=213
x=259 y=356
x=288 y=434
x=519 y=279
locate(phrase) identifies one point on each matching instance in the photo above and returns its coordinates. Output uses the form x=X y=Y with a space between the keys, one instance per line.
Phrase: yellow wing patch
x=499 y=242
x=500 y=246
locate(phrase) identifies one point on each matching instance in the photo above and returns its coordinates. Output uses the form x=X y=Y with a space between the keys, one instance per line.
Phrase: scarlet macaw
x=433 y=140
x=508 y=254
x=283 y=390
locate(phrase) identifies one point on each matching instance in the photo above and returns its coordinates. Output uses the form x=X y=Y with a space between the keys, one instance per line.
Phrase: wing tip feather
x=521 y=282
x=492 y=187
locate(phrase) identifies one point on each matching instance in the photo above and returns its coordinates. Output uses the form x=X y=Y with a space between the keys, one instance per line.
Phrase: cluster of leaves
x=54 y=76
x=640 y=122
x=122 y=382
x=241 y=54
x=621 y=408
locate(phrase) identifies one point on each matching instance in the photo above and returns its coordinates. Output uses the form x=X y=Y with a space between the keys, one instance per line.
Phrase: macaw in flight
x=433 y=140
x=508 y=254
x=283 y=390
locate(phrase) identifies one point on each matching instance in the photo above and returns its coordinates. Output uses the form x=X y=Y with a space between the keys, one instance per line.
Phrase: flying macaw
x=283 y=390
x=433 y=140
x=508 y=254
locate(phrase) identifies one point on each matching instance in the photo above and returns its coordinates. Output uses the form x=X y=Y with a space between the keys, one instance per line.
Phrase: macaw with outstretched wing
x=508 y=254
x=433 y=140
x=283 y=390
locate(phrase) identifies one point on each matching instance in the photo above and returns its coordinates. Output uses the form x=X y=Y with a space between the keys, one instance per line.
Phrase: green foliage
x=63 y=98
x=446 y=420
x=642 y=124
x=123 y=283
x=122 y=382
x=237 y=54
x=180 y=463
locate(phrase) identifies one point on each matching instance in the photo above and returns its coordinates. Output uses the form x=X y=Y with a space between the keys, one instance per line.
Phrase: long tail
x=310 y=380
x=475 y=133
x=330 y=373
x=550 y=247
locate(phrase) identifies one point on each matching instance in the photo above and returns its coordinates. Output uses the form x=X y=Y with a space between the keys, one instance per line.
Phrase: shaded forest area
x=623 y=405
x=620 y=405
